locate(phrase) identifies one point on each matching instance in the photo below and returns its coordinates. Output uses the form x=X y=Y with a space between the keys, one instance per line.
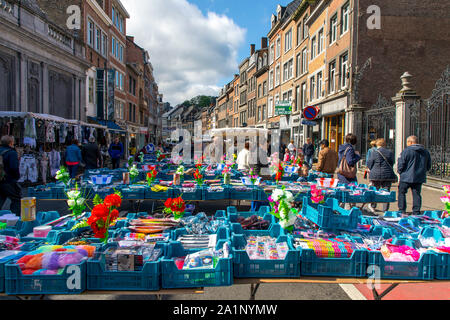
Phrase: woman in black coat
x=382 y=175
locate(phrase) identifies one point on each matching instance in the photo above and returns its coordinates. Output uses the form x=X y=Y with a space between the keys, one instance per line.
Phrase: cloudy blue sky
x=195 y=46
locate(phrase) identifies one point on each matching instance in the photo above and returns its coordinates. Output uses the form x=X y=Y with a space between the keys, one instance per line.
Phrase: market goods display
x=305 y=226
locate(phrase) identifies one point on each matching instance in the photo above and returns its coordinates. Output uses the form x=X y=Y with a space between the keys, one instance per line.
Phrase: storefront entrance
x=334 y=130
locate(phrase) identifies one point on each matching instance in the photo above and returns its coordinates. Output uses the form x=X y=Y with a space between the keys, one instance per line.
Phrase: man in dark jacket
x=308 y=152
x=9 y=188
x=91 y=154
x=116 y=152
x=413 y=165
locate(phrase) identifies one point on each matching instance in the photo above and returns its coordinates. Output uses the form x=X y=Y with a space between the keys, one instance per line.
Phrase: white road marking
x=352 y=292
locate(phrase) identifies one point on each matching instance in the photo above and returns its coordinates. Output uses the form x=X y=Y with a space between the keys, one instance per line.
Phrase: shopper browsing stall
x=73 y=158
x=9 y=175
x=116 y=152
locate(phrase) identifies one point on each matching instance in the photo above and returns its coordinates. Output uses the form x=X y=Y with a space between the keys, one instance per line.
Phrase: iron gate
x=379 y=122
x=430 y=122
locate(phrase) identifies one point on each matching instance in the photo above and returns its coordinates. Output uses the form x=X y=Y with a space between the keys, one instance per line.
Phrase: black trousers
x=115 y=163
x=382 y=185
x=14 y=193
x=416 y=189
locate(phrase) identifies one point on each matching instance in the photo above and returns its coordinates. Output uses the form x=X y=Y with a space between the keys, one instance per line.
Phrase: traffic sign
x=309 y=123
x=310 y=113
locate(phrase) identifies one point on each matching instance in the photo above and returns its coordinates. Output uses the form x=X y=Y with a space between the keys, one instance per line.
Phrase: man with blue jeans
x=413 y=165
x=308 y=152
x=9 y=188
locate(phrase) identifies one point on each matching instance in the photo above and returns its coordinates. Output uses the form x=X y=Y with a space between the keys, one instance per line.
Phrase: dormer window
x=274 y=20
x=279 y=12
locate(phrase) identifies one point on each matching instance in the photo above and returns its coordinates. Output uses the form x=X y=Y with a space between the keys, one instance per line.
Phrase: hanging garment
x=30 y=132
x=28 y=169
x=44 y=166
x=76 y=133
x=40 y=131
x=50 y=133
x=55 y=162
x=63 y=133
x=92 y=133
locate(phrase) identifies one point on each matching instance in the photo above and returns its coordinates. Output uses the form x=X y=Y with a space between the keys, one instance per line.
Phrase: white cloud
x=190 y=52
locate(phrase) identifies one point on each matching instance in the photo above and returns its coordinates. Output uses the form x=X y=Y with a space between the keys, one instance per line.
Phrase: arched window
x=260 y=63
x=265 y=59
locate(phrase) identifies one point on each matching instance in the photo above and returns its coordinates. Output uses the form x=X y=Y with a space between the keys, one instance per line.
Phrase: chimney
x=252 y=49
x=263 y=43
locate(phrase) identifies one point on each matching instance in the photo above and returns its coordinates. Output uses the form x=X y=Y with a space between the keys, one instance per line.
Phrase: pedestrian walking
x=328 y=158
x=348 y=158
x=373 y=147
x=292 y=149
x=243 y=158
x=116 y=152
x=9 y=175
x=73 y=158
x=91 y=154
x=308 y=152
x=413 y=165
x=381 y=166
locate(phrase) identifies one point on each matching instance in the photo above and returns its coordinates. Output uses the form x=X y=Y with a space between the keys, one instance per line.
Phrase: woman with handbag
x=348 y=158
x=382 y=175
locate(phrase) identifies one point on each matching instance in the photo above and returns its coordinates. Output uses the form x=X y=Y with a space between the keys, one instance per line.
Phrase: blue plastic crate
x=442 y=266
x=197 y=195
x=133 y=193
x=243 y=267
x=324 y=216
x=446 y=222
x=355 y=266
x=31 y=192
x=148 y=279
x=436 y=215
x=217 y=195
x=3 y=263
x=61 y=237
x=250 y=193
x=71 y=281
x=382 y=231
x=380 y=198
x=346 y=196
x=424 y=269
x=173 y=278
x=223 y=233
x=162 y=195
x=432 y=232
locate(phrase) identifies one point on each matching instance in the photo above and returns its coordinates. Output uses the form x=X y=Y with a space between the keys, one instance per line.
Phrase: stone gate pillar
x=404 y=100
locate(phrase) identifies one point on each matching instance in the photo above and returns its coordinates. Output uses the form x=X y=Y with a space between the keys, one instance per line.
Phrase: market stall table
x=255 y=283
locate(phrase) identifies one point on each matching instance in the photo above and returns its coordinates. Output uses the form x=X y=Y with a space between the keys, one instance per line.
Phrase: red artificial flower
x=114 y=214
x=151 y=174
x=168 y=203
x=100 y=211
x=178 y=205
x=113 y=200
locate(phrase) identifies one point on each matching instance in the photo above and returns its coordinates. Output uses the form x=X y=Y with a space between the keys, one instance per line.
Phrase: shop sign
x=309 y=123
x=283 y=108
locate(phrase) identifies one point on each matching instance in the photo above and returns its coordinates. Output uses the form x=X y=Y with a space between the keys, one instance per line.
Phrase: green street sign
x=283 y=108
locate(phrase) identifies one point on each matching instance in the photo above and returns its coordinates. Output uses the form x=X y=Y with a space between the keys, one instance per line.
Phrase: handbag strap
x=383 y=157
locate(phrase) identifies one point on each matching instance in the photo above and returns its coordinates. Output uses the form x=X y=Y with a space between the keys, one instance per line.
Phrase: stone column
x=404 y=100
x=23 y=77
x=45 y=88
